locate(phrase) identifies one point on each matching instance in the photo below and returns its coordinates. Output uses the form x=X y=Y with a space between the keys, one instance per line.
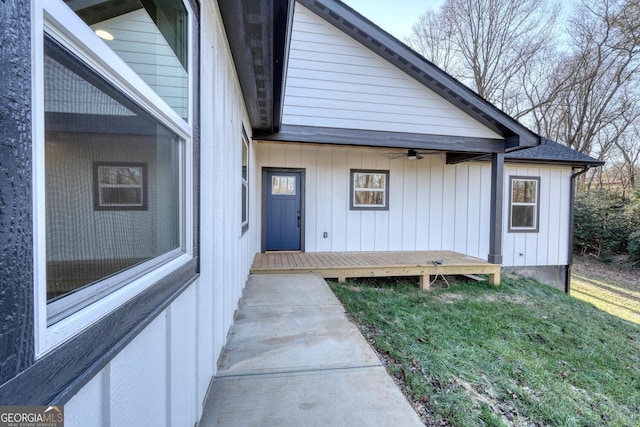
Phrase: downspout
x=572 y=199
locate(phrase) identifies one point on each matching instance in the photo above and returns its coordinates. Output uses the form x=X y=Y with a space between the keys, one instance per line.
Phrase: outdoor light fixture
x=412 y=155
x=104 y=34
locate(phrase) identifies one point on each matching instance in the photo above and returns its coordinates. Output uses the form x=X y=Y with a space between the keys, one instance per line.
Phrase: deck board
x=342 y=265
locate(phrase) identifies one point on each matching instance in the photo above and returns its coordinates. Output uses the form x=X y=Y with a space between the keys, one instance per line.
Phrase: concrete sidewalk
x=293 y=359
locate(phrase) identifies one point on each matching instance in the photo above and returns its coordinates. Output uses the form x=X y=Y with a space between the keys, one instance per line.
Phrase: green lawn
x=519 y=354
x=608 y=295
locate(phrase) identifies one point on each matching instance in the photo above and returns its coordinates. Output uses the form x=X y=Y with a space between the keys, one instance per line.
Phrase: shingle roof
x=552 y=152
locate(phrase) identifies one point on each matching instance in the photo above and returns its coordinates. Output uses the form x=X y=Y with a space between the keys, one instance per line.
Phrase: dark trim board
x=370 y=138
x=59 y=375
x=495 y=220
x=16 y=199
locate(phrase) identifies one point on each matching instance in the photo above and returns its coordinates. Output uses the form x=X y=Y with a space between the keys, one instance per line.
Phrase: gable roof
x=416 y=66
x=552 y=152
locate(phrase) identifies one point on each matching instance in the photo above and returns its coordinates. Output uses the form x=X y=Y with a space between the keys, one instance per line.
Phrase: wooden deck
x=343 y=265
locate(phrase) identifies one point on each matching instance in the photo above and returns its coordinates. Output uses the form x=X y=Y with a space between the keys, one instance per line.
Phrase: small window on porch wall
x=245 y=182
x=524 y=204
x=369 y=190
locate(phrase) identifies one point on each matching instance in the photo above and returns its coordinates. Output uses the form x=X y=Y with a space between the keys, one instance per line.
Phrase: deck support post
x=425 y=282
x=494 y=279
x=495 y=226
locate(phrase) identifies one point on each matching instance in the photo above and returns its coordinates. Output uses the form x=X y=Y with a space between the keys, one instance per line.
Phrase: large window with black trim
x=117 y=143
x=524 y=203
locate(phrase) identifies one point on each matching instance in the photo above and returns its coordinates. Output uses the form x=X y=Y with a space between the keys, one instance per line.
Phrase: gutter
x=572 y=199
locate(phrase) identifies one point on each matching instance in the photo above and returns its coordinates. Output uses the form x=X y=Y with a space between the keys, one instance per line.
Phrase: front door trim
x=265 y=189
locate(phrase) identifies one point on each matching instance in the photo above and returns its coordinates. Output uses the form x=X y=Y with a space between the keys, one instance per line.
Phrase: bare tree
x=488 y=44
x=595 y=100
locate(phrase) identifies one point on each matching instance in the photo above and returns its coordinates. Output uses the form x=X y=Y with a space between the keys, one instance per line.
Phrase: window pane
x=245 y=159
x=524 y=191
x=283 y=185
x=369 y=180
x=369 y=198
x=150 y=36
x=522 y=216
x=92 y=135
x=244 y=203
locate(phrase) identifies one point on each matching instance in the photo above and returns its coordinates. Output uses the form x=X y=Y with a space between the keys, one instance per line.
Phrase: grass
x=619 y=296
x=519 y=354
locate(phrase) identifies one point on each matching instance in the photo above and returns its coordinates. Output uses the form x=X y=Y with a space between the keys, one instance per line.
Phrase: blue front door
x=283 y=211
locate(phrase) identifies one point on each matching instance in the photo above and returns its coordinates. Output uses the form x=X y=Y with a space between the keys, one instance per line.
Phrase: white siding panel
x=423 y=185
x=474 y=225
x=182 y=331
x=396 y=205
x=325 y=192
x=448 y=230
x=460 y=212
x=435 y=211
x=311 y=197
x=340 y=205
x=333 y=81
x=356 y=225
x=88 y=408
x=139 y=381
x=410 y=205
x=432 y=205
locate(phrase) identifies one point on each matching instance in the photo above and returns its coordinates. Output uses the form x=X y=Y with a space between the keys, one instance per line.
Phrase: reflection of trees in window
x=283 y=185
x=524 y=204
x=120 y=186
x=369 y=189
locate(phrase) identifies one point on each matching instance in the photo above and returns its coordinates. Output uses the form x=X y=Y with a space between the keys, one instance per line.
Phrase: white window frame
x=56 y=19
x=535 y=205
x=245 y=181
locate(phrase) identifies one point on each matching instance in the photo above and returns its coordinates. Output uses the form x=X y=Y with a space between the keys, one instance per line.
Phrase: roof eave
x=258 y=33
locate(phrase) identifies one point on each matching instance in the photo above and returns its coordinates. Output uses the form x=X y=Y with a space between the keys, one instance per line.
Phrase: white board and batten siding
x=161 y=378
x=432 y=206
x=334 y=81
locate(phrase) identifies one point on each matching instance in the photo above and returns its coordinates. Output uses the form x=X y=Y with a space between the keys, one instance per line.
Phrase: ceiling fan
x=412 y=154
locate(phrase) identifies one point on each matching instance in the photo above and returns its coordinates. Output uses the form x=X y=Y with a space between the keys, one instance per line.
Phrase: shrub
x=607 y=224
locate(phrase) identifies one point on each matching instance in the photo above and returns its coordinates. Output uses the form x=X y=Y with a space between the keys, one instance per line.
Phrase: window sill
x=60 y=332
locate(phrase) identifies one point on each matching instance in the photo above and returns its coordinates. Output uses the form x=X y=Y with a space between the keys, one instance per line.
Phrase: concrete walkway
x=293 y=359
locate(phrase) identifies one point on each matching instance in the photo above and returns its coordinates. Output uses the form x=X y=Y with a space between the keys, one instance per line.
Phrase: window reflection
x=112 y=179
x=150 y=36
